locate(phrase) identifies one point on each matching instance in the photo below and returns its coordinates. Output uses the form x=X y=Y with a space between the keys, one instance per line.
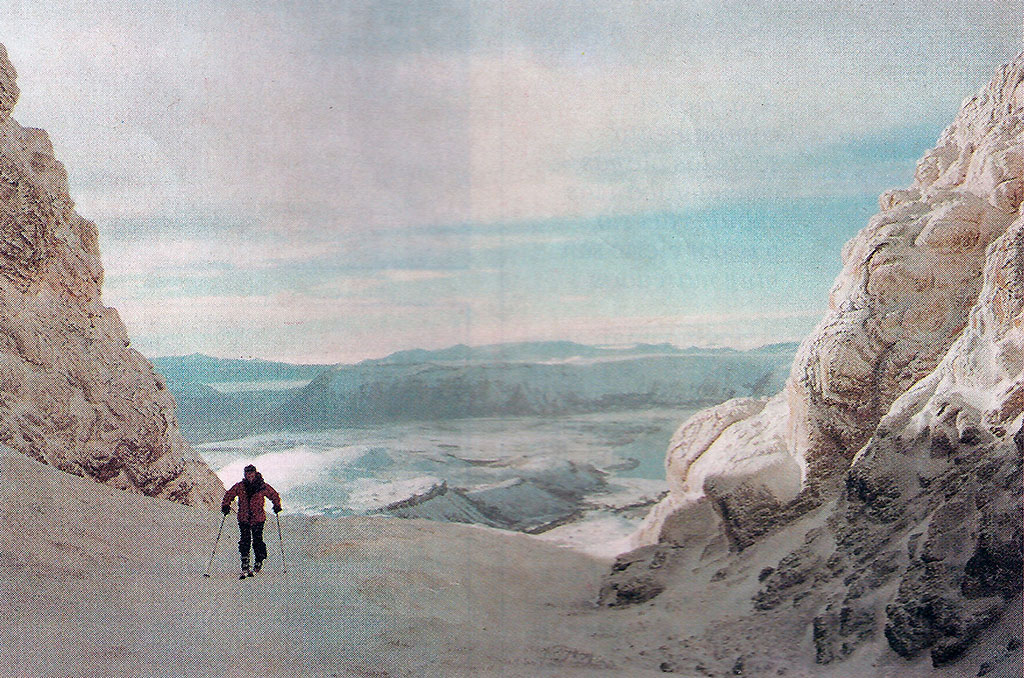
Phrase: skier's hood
x=256 y=485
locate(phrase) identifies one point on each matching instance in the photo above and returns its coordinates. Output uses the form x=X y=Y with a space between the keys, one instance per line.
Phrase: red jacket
x=250 y=507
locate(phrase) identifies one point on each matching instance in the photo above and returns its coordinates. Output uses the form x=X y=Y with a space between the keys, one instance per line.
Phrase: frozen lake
x=533 y=469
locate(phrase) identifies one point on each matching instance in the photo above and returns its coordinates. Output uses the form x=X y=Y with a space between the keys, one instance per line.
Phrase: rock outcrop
x=73 y=393
x=892 y=460
x=908 y=284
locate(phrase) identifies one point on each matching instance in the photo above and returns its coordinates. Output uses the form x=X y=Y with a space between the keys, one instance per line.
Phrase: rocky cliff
x=73 y=393
x=891 y=462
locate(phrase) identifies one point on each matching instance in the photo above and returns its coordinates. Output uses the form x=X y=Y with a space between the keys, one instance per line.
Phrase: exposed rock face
x=901 y=424
x=72 y=392
x=908 y=283
x=943 y=471
x=909 y=280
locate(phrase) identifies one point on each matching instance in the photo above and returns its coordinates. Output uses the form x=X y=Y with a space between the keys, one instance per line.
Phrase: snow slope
x=98 y=582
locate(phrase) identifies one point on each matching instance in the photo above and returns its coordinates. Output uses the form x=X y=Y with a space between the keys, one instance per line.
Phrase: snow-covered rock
x=908 y=284
x=744 y=472
x=876 y=503
x=73 y=393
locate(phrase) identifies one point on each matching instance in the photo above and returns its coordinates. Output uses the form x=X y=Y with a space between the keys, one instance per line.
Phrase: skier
x=251 y=493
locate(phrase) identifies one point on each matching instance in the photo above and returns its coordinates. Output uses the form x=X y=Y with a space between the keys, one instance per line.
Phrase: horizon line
x=608 y=347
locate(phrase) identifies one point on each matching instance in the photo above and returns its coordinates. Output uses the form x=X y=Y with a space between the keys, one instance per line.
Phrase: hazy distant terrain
x=203 y=369
x=551 y=437
x=570 y=477
x=221 y=399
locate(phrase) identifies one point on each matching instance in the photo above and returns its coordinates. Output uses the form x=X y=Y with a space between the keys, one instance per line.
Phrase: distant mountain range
x=221 y=398
x=203 y=369
x=541 y=351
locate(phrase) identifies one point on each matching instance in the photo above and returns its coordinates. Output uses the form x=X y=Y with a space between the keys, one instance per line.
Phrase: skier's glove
x=225 y=510
x=277 y=509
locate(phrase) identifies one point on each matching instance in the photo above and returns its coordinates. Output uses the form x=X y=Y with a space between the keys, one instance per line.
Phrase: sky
x=330 y=181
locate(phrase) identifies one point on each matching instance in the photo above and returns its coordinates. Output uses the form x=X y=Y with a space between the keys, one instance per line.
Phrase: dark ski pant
x=252 y=535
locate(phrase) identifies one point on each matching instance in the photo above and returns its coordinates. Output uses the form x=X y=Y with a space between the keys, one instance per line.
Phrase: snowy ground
x=99 y=583
x=610 y=461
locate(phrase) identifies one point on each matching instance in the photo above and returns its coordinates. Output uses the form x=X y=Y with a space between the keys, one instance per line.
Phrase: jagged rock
x=903 y=419
x=8 y=85
x=794 y=570
x=956 y=460
x=996 y=567
x=638 y=576
x=908 y=284
x=72 y=392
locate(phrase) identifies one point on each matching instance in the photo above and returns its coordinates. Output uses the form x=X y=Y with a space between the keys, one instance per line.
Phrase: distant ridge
x=516 y=379
x=528 y=379
x=198 y=368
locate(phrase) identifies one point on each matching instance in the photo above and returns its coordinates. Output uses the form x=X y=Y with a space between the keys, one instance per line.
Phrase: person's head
x=250 y=473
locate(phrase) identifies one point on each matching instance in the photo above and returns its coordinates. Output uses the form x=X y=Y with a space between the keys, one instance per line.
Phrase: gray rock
x=637 y=576
x=73 y=393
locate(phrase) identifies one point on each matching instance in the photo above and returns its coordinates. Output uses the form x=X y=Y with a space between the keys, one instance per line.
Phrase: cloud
x=257 y=155
x=398 y=275
x=307 y=328
x=246 y=313
x=192 y=255
x=740 y=329
x=296 y=327
x=354 y=285
x=392 y=115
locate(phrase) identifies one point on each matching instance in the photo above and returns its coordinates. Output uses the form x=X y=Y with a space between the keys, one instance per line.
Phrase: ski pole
x=223 y=518
x=280 y=540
